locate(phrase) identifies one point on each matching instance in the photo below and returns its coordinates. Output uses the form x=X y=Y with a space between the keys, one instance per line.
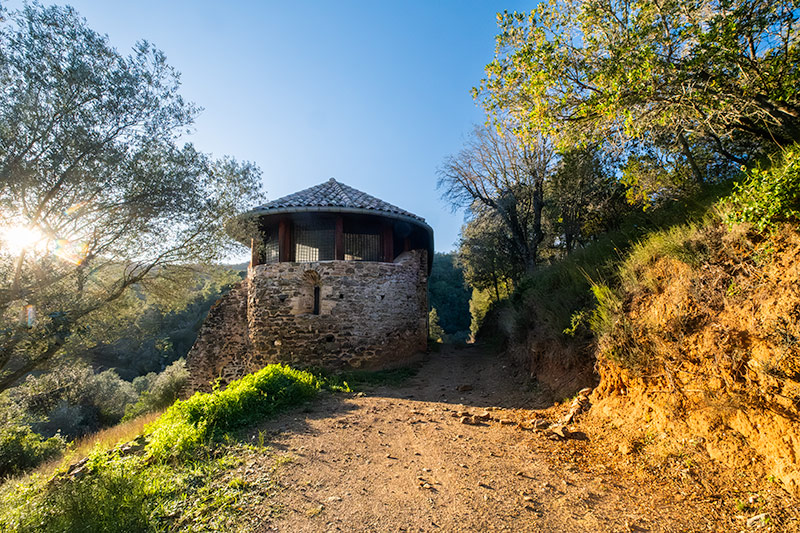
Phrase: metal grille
x=313 y=243
x=362 y=247
x=271 y=253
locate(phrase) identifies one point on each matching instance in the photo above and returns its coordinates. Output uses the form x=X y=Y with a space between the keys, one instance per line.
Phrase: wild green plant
x=179 y=484
x=190 y=423
x=21 y=448
x=768 y=195
x=606 y=313
x=158 y=390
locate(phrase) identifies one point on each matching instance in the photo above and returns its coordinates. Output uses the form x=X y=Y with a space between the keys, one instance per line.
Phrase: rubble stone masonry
x=370 y=316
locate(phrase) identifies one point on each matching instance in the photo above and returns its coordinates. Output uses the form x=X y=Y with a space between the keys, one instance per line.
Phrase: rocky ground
x=469 y=444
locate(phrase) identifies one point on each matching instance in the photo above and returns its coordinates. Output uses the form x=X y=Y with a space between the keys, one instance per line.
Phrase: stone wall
x=371 y=316
x=222 y=347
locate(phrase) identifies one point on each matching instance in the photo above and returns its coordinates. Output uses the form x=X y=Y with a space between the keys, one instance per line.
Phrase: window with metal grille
x=362 y=247
x=271 y=253
x=313 y=242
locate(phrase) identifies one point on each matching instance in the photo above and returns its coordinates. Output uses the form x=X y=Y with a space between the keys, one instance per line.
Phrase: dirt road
x=401 y=459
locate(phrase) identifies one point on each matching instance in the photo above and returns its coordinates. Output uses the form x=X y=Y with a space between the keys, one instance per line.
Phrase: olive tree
x=97 y=194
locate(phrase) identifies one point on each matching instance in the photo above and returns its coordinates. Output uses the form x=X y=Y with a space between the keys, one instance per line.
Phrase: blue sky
x=374 y=94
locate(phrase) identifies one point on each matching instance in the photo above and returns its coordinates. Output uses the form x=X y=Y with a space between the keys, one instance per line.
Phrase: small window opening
x=316 y=301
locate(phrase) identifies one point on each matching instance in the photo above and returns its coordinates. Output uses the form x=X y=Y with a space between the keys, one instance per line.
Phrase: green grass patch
x=190 y=423
x=677 y=242
x=183 y=481
x=130 y=494
x=636 y=274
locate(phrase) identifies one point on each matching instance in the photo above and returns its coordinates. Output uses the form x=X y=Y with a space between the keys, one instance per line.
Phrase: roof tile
x=334 y=194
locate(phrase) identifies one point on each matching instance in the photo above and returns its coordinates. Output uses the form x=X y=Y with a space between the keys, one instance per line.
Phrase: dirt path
x=400 y=459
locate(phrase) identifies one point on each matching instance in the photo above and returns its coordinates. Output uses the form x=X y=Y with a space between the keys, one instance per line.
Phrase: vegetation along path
x=455 y=448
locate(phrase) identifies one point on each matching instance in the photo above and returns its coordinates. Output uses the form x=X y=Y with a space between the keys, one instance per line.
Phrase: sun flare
x=15 y=239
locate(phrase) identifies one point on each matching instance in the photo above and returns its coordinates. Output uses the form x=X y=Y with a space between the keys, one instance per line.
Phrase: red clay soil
x=402 y=459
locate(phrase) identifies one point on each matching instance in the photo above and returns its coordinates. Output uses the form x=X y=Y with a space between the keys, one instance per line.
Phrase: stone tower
x=337 y=280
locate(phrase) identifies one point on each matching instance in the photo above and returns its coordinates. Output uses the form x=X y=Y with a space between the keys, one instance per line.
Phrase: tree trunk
x=538 y=234
x=698 y=176
x=496 y=285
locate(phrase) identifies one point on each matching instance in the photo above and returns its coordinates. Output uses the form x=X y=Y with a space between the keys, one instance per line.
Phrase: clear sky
x=375 y=94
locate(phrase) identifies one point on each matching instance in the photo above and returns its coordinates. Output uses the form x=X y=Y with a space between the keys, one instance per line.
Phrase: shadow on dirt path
x=469 y=376
x=402 y=459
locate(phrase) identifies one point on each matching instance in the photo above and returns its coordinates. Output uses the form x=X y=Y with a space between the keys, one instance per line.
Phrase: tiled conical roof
x=334 y=195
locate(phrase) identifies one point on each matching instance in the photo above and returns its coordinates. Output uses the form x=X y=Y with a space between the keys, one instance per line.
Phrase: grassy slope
x=693 y=323
x=183 y=480
x=545 y=324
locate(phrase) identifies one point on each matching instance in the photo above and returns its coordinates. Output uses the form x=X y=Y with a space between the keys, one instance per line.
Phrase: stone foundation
x=370 y=316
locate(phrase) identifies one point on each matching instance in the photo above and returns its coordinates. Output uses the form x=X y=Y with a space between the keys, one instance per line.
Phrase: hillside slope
x=701 y=340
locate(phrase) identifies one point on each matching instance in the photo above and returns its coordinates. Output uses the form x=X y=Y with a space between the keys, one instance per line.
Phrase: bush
x=73 y=400
x=158 y=390
x=110 y=395
x=67 y=419
x=190 y=423
x=767 y=196
x=435 y=331
x=21 y=448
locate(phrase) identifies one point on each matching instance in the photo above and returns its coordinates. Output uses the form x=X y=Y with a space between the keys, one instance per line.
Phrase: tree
x=669 y=73
x=500 y=172
x=449 y=294
x=96 y=195
x=486 y=253
x=584 y=198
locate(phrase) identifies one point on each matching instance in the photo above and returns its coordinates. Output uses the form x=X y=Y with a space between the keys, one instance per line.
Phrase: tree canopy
x=644 y=101
x=668 y=72
x=96 y=192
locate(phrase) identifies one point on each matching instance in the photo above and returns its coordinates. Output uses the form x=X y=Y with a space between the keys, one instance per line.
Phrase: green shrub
x=157 y=391
x=73 y=400
x=435 y=331
x=767 y=196
x=115 y=497
x=21 y=448
x=111 y=395
x=192 y=422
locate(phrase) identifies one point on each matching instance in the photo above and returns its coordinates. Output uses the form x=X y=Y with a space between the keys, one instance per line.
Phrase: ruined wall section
x=222 y=347
x=370 y=316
